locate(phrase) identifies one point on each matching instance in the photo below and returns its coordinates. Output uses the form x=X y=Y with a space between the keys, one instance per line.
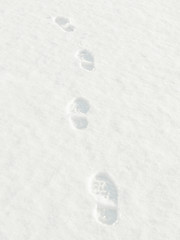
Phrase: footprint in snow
x=86 y=60
x=77 y=110
x=78 y=105
x=64 y=23
x=78 y=122
x=104 y=191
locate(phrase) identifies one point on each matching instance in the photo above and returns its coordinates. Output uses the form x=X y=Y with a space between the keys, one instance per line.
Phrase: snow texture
x=89 y=120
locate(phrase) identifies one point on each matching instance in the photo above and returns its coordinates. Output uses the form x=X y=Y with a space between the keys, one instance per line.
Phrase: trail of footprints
x=104 y=191
x=77 y=110
x=86 y=59
x=101 y=186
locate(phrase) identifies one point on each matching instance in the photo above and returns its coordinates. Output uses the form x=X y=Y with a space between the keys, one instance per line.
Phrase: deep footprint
x=78 y=105
x=105 y=193
x=86 y=60
x=64 y=23
x=78 y=122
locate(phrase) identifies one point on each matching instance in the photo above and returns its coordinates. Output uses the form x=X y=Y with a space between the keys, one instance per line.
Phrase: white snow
x=89 y=93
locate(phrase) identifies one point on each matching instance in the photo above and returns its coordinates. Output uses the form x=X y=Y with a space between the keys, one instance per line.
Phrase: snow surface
x=89 y=120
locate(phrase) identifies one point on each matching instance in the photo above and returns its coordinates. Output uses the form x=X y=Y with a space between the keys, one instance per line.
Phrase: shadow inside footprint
x=79 y=105
x=87 y=65
x=103 y=189
x=64 y=23
x=105 y=214
x=85 y=55
x=105 y=193
x=86 y=60
x=78 y=122
x=61 y=21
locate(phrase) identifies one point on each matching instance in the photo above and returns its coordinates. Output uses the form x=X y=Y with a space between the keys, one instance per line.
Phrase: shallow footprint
x=64 y=23
x=105 y=214
x=105 y=193
x=103 y=189
x=85 y=55
x=78 y=122
x=87 y=65
x=86 y=60
x=78 y=105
